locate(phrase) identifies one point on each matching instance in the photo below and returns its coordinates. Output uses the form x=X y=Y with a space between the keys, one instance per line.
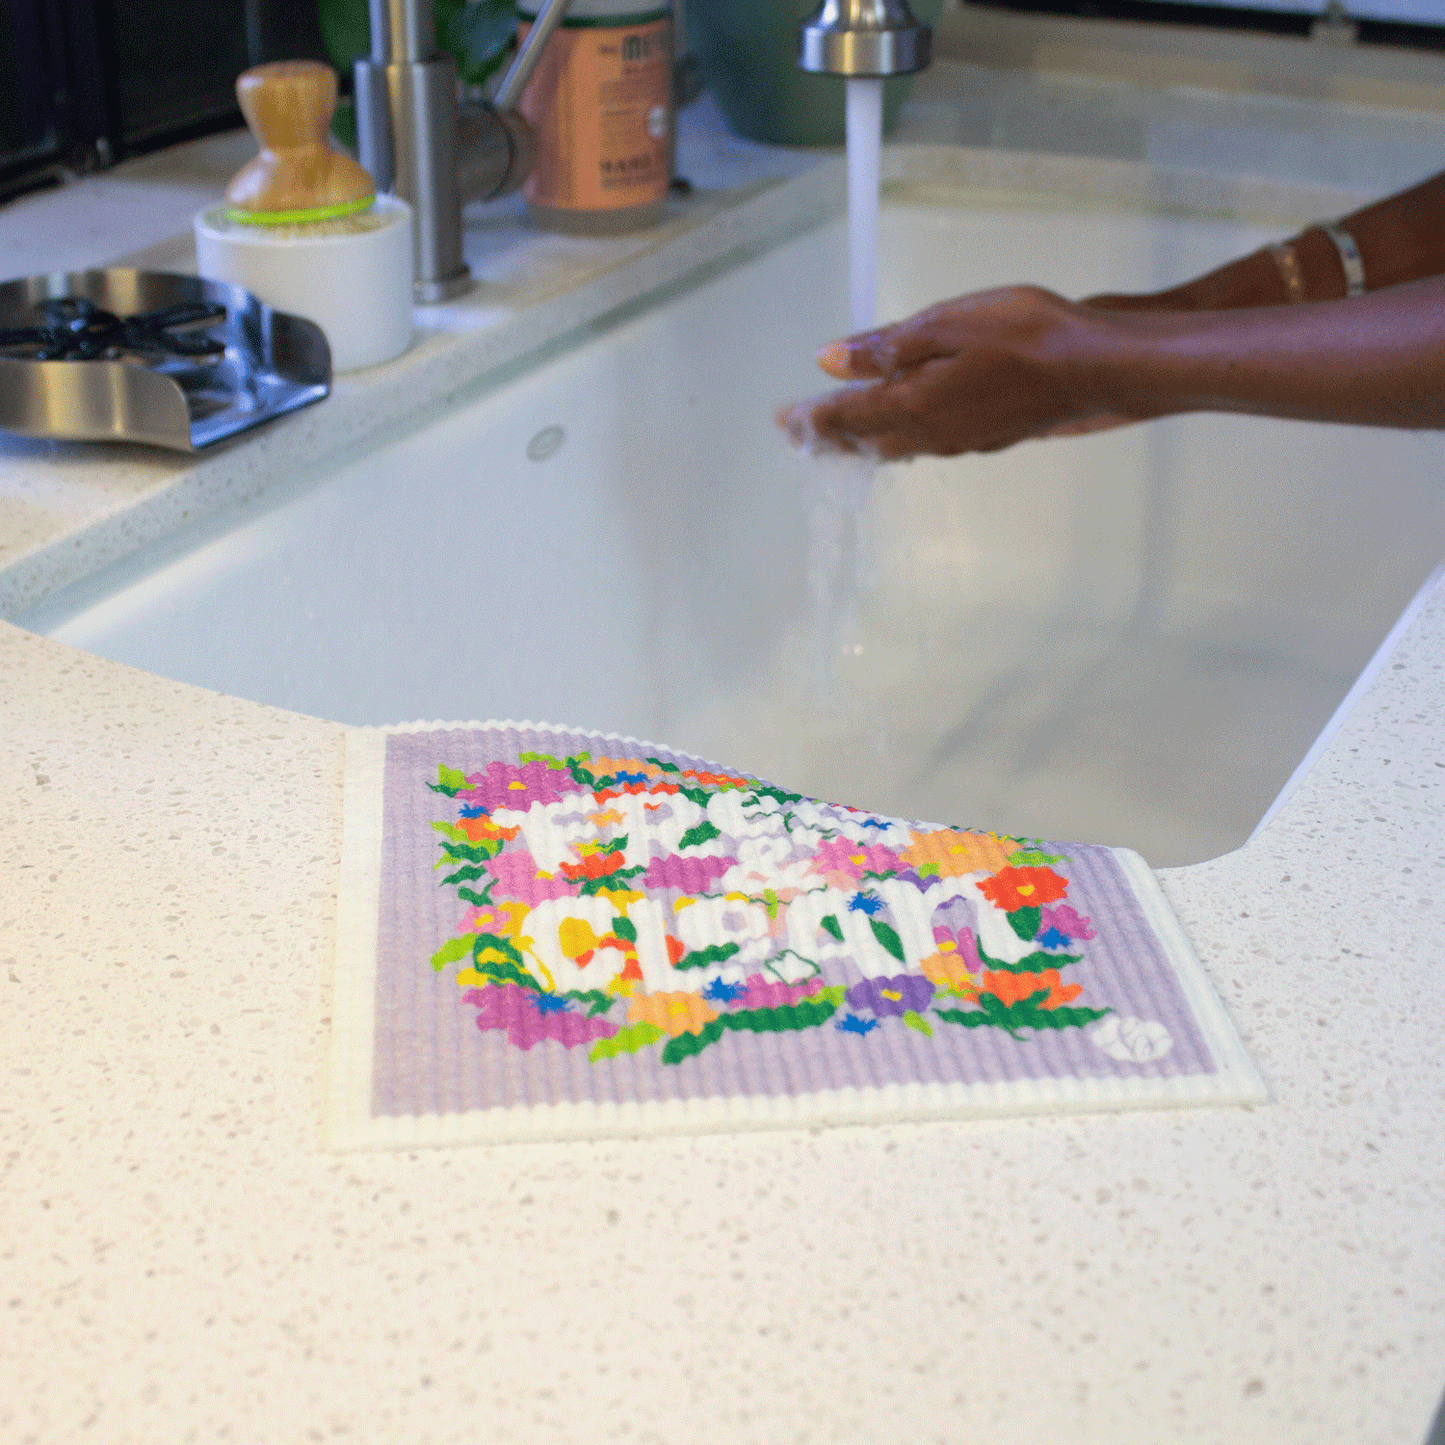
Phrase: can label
x=599 y=104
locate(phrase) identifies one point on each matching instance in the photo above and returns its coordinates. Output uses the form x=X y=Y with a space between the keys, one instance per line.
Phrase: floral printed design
x=626 y=903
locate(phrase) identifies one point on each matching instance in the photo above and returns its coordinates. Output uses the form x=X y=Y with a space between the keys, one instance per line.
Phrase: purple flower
x=1067 y=922
x=692 y=875
x=529 y=1017
x=516 y=786
x=892 y=997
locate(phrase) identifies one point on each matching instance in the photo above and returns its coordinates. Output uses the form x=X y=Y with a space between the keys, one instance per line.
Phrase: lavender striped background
x=432 y=1059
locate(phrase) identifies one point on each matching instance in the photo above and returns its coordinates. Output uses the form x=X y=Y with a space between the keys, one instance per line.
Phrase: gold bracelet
x=1289 y=270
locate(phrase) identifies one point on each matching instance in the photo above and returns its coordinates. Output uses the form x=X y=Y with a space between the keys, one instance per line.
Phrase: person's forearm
x=1400 y=239
x=1376 y=360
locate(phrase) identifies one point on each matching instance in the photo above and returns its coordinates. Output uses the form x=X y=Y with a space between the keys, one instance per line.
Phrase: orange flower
x=593 y=865
x=482 y=827
x=1015 y=888
x=950 y=853
x=1011 y=988
x=948 y=970
x=674 y=1013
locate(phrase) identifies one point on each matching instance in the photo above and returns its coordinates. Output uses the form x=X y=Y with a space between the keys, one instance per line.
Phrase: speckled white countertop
x=179 y=1261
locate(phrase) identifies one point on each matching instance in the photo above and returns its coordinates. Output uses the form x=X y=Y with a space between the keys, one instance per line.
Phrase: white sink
x=1131 y=638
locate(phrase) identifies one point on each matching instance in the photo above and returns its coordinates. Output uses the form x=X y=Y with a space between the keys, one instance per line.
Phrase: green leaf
x=465 y=875
x=611 y=883
x=597 y=1002
x=700 y=796
x=807 y=1014
x=887 y=937
x=666 y=767
x=451 y=950
x=684 y=1046
x=917 y=1021
x=1063 y=1018
x=969 y=1018
x=704 y=832
x=345 y=31
x=1033 y=962
x=470 y=895
x=1025 y=921
x=833 y=926
x=625 y=1041
x=706 y=957
x=481 y=852
x=477 y=34
x=1033 y=858
x=542 y=758
x=450 y=830
x=625 y=928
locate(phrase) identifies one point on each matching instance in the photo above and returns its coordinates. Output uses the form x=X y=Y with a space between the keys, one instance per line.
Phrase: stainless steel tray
x=250 y=363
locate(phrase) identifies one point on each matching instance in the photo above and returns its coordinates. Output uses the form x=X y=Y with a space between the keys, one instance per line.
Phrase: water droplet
x=547 y=443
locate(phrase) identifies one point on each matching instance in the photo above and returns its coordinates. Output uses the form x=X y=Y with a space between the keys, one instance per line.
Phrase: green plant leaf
x=666 y=767
x=625 y=928
x=706 y=957
x=542 y=758
x=684 y=1046
x=1025 y=921
x=969 y=1018
x=478 y=35
x=887 y=937
x=451 y=950
x=345 y=31
x=704 y=832
x=1033 y=858
x=470 y=895
x=833 y=926
x=625 y=1041
x=1033 y=962
x=917 y=1021
x=467 y=874
x=597 y=1002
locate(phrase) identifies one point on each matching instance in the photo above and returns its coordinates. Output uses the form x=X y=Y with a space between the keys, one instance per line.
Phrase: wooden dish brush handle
x=298 y=175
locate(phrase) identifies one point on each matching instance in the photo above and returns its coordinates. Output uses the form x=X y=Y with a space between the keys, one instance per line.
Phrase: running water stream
x=839 y=488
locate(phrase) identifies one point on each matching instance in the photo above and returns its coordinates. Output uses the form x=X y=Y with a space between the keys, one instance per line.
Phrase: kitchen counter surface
x=180 y=1261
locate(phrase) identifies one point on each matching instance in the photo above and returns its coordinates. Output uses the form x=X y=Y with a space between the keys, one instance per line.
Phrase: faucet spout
x=406 y=136
x=416 y=142
x=864 y=38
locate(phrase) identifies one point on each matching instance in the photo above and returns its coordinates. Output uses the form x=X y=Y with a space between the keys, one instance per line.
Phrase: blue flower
x=474 y=810
x=1052 y=938
x=875 y=822
x=720 y=992
x=854 y=1025
x=865 y=903
x=550 y=1003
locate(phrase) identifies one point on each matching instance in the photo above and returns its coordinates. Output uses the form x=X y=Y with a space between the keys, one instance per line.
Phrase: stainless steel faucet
x=864 y=38
x=407 y=133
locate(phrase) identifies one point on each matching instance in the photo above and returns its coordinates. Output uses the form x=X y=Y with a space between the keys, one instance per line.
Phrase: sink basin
x=1131 y=638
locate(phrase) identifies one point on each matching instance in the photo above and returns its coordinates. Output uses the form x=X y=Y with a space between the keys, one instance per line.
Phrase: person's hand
x=975 y=374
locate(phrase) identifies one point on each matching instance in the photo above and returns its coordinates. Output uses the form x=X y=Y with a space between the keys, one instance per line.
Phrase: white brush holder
x=356 y=286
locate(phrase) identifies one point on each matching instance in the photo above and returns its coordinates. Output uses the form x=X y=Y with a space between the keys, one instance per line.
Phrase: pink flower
x=762 y=993
x=517 y=877
x=530 y=1017
x=843 y=862
x=1066 y=920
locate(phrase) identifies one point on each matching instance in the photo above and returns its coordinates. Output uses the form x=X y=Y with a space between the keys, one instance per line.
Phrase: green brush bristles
x=334 y=212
